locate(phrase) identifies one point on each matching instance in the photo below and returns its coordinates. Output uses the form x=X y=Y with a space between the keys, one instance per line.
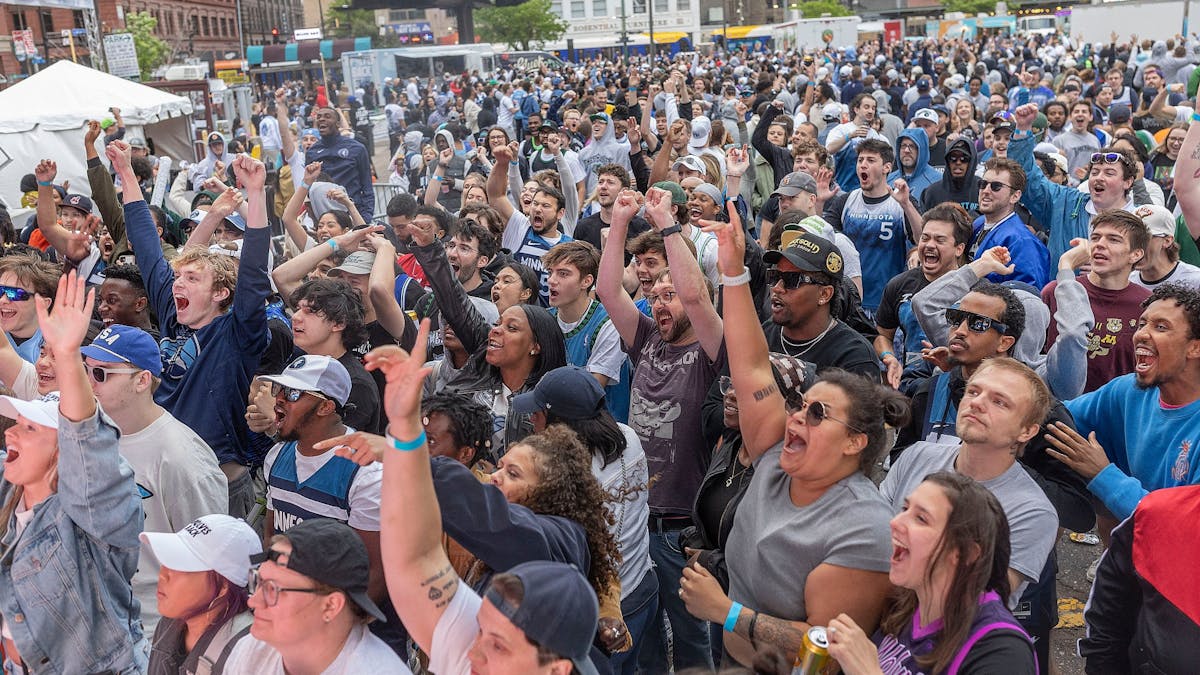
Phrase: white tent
x=42 y=117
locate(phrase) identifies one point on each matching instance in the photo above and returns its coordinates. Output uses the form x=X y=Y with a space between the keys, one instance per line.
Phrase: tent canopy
x=65 y=95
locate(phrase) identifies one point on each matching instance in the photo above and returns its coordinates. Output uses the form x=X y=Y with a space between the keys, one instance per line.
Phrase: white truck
x=1147 y=20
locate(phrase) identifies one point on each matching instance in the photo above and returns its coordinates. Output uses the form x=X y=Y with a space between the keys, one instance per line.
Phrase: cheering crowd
x=730 y=361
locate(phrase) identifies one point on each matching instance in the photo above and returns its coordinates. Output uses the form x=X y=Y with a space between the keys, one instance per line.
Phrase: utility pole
x=95 y=43
x=624 y=34
x=241 y=35
x=652 y=50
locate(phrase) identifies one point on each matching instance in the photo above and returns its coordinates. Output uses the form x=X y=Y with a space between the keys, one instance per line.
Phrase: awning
x=664 y=36
x=735 y=32
x=308 y=50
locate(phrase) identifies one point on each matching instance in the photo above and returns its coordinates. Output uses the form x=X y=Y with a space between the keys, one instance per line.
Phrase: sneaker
x=1091 y=570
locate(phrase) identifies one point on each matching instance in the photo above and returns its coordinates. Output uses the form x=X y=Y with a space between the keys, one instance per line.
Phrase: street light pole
x=624 y=34
x=241 y=35
x=652 y=51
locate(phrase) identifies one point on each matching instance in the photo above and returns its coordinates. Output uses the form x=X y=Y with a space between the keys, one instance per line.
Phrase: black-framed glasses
x=271 y=590
x=666 y=298
x=1109 y=158
x=100 y=374
x=291 y=394
x=816 y=412
x=793 y=280
x=993 y=185
x=15 y=294
x=976 y=323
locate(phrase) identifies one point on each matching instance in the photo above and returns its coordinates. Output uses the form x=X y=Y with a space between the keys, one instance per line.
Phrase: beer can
x=814 y=653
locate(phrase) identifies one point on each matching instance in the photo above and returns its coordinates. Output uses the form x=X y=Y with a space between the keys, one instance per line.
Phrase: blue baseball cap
x=126 y=344
x=310 y=132
x=236 y=220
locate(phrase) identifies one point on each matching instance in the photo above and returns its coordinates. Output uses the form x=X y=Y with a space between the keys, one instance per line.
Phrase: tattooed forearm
x=765 y=392
x=768 y=630
x=441 y=586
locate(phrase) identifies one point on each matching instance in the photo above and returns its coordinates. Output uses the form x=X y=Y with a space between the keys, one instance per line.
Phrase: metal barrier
x=383 y=194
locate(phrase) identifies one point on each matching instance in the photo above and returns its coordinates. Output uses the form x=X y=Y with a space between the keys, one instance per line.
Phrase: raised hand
x=93 y=132
x=938 y=356
x=1077 y=256
x=554 y=144
x=339 y=195
x=737 y=160
x=405 y=374
x=311 y=171
x=658 y=208
x=359 y=447
x=444 y=157
x=423 y=232
x=250 y=172
x=64 y=328
x=118 y=155
x=900 y=191
x=503 y=154
x=45 y=171
x=352 y=240
x=731 y=242
x=626 y=206
x=227 y=202
x=1025 y=115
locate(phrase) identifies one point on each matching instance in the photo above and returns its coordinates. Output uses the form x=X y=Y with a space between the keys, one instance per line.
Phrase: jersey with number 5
x=878 y=232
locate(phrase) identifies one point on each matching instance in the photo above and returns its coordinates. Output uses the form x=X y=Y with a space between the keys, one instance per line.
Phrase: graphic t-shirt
x=1110 y=342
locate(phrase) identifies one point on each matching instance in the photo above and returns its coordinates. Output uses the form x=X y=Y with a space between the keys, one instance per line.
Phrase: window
x=599 y=7
x=204 y=25
x=577 y=9
x=405 y=15
x=662 y=5
x=18 y=21
x=556 y=8
x=47 y=21
x=77 y=15
x=638 y=7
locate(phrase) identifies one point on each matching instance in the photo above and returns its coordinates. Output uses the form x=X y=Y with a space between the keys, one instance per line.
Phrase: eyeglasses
x=15 y=294
x=666 y=297
x=993 y=185
x=271 y=590
x=290 y=394
x=101 y=374
x=976 y=323
x=1109 y=158
x=816 y=412
x=725 y=383
x=793 y=280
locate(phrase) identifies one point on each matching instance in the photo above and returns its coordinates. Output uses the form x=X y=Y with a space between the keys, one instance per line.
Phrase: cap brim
x=171 y=552
x=99 y=353
x=288 y=381
x=527 y=403
x=773 y=258
x=788 y=191
x=34 y=411
x=367 y=605
x=351 y=269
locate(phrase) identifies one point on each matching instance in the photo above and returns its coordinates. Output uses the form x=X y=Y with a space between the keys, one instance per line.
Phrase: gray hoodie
x=598 y=152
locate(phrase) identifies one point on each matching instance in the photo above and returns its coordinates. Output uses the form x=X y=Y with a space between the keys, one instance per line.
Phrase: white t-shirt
x=706 y=252
x=362 y=653
x=25 y=385
x=179 y=480
x=504 y=115
x=455 y=633
x=1184 y=274
x=364 y=490
x=846 y=130
x=626 y=481
x=607 y=357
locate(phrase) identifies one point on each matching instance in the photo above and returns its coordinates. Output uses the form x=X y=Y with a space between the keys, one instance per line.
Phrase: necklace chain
x=805 y=345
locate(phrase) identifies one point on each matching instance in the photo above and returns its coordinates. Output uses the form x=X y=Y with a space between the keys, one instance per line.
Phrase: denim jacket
x=65 y=583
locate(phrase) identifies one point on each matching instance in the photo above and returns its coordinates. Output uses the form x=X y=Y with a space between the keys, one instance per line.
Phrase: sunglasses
x=100 y=375
x=725 y=383
x=958 y=159
x=292 y=395
x=816 y=412
x=793 y=280
x=993 y=185
x=1109 y=158
x=15 y=294
x=976 y=323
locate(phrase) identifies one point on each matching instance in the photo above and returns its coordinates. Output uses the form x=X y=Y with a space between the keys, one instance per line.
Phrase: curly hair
x=1188 y=300
x=224 y=269
x=567 y=488
x=470 y=422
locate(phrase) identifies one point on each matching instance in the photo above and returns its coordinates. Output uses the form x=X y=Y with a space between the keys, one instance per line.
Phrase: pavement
x=1073 y=588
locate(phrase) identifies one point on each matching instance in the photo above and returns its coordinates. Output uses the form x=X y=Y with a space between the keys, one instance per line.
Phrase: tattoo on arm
x=765 y=392
x=768 y=630
x=441 y=584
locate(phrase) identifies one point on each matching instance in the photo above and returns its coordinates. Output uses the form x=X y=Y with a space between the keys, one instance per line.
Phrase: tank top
x=877 y=230
x=580 y=340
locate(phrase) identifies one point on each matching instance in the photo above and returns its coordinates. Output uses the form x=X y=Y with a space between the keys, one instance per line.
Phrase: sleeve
x=606 y=357
x=479 y=517
x=177 y=200
x=929 y=304
x=1040 y=193
x=514 y=230
x=887 y=316
x=156 y=272
x=850 y=256
x=1112 y=607
x=1065 y=368
x=455 y=632
x=365 y=199
x=104 y=193
x=1032 y=538
x=1002 y=652
x=570 y=196
x=364 y=497
x=833 y=210
x=25 y=384
x=865 y=543
x=296 y=165
x=250 y=294
x=456 y=307
x=96 y=486
x=1119 y=491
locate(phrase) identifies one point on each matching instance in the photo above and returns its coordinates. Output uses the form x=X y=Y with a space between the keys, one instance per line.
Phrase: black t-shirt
x=893 y=313
x=999 y=652
x=280 y=350
x=377 y=336
x=842 y=347
x=588 y=229
x=364 y=395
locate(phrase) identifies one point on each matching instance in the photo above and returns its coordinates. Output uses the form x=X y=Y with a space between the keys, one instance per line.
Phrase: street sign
x=121 y=55
x=18 y=43
x=231 y=77
x=301 y=34
x=27 y=37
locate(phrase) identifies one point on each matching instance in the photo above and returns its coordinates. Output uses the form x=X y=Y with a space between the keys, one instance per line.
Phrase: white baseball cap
x=1159 y=220
x=43 y=411
x=220 y=543
x=926 y=114
x=313 y=372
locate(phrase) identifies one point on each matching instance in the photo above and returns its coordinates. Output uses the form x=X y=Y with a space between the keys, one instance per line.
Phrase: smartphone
x=1022 y=96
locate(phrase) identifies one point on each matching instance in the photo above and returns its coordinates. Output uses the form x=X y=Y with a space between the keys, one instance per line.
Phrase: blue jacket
x=1029 y=255
x=924 y=175
x=347 y=163
x=206 y=373
x=1060 y=209
x=500 y=534
x=65 y=582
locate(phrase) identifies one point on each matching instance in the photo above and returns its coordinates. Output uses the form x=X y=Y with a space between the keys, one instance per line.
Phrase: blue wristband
x=885 y=355
x=735 y=610
x=1195 y=118
x=305 y=186
x=332 y=244
x=45 y=183
x=407 y=446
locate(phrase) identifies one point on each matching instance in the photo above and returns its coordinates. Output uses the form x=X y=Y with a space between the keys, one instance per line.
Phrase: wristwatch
x=668 y=231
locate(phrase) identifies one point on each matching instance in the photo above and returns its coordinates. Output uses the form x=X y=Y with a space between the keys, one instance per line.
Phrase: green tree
x=528 y=25
x=813 y=9
x=152 y=52
x=347 y=23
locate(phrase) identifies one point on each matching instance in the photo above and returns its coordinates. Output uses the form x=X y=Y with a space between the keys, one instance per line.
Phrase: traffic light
x=275 y=35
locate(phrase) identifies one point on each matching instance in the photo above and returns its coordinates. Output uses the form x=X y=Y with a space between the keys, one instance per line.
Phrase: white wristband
x=740 y=280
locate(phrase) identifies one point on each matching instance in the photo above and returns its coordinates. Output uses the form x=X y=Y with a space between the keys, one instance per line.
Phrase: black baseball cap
x=809 y=253
x=330 y=552
x=78 y=202
x=570 y=392
x=558 y=610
